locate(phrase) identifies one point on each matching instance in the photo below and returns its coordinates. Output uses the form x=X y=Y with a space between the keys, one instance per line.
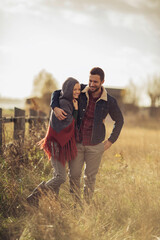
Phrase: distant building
x=118 y=94
x=39 y=104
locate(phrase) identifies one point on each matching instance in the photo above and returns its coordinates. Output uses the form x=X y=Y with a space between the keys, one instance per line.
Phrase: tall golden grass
x=126 y=202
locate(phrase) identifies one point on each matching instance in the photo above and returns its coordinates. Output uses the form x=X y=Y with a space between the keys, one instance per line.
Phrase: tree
x=43 y=84
x=153 y=90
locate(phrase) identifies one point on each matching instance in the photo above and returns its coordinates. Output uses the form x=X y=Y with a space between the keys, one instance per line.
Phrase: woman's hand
x=75 y=104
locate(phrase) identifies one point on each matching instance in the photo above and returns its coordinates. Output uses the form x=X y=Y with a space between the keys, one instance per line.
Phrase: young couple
x=76 y=133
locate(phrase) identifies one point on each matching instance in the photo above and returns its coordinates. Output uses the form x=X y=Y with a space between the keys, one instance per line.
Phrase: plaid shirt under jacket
x=87 y=124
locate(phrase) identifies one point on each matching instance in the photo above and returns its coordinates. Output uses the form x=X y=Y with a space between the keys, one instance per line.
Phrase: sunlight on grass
x=126 y=202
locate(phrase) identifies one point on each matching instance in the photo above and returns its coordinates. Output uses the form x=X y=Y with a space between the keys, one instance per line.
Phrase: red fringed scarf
x=66 y=149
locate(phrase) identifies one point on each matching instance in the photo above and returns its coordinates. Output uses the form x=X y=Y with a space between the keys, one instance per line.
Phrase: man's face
x=95 y=83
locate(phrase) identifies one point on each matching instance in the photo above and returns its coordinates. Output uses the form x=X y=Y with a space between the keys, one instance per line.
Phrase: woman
x=59 y=143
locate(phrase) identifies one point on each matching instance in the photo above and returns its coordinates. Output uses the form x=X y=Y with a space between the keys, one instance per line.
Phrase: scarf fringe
x=46 y=146
x=63 y=154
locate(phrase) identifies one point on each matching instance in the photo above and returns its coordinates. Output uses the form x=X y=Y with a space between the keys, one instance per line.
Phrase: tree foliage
x=44 y=83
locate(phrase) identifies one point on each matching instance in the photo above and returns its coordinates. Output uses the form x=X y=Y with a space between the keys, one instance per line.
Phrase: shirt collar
x=102 y=97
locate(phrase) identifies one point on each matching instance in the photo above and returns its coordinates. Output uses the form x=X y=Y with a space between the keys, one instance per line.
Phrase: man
x=94 y=105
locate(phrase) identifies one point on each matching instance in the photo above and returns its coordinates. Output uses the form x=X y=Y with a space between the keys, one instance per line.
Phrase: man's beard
x=95 y=89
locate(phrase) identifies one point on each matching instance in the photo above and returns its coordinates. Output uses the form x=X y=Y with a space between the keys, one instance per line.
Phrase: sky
x=69 y=37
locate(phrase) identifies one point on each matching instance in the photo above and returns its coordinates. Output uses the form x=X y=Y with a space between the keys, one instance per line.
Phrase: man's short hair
x=98 y=71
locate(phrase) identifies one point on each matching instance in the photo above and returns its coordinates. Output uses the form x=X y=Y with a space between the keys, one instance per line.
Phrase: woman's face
x=76 y=90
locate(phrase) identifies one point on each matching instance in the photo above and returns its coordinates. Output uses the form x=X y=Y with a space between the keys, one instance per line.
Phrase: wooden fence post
x=43 y=123
x=42 y=114
x=42 y=120
x=19 y=124
x=32 y=122
x=0 y=131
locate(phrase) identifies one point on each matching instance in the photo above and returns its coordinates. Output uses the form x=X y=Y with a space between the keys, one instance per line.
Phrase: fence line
x=19 y=121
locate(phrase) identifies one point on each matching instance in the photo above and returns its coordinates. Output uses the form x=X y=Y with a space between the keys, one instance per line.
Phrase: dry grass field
x=126 y=203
